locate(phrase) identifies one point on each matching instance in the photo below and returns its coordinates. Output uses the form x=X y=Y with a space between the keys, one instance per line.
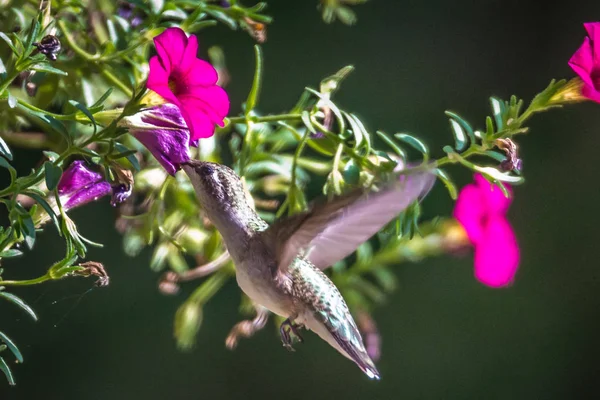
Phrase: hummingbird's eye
x=206 y=169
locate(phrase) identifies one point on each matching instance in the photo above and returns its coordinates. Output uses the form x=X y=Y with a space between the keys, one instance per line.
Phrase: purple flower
x=80 y=185
x=163 y=131
x=481 y=210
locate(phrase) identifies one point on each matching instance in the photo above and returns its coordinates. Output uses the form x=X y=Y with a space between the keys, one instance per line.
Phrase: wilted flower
x=181 y=78
x=164 y=132
x=49 y=46
x=481 y=210
x=79 y=185
x=586 y=62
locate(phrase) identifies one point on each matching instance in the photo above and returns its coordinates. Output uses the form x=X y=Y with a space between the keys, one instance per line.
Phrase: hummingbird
x=280 y=266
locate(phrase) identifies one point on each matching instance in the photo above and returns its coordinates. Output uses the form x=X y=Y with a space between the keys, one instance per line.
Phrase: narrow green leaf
x=42 y=202
x=397 y=149
x=385 y=278
x=102 y=98
x=43 y=67
x=447 y=182
x=52 y=156
x=19 y=302
x=6 y=369
x=498 y=111
x=131 y=157
x=499 y=176
x=256 y=82
x=11 y=253
x=495 y=155
x=9 y=43
x=56 y=125
x=12 y=100
x=2 y=70
x=5 y=150
x=459 y=135
x=52 y=174
x=356 y=131
x=12 y=347
x=84 y=110
x=33 y=33
x=414 y=142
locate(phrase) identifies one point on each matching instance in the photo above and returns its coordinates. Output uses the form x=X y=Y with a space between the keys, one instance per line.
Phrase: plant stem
x=27 y=282
x=267 y=118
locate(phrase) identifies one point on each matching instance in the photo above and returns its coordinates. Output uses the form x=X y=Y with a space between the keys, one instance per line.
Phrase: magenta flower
x=164 y=132
x=481 y=210
x=181 y=78
x=79 y=185
x=586 y=62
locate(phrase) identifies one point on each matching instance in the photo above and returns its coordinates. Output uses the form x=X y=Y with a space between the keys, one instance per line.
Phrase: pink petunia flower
x=586 y=62
x=181 y=78
x=481 y=209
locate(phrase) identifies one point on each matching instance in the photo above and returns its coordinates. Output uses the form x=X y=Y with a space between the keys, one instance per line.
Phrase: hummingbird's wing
x=331 y=231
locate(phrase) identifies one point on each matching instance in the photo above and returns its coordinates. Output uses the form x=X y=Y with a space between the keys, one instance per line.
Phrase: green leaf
x=84 y=110
x=5 y=368
x=131 y=157
x=256 y=82
x=19 y=302
x=385 y=278
x=9 y=43
x=5 y=150
x=12 y=100
x=40 y=200
x=56 y=125
x=52 y=156
x=33 y=33
x=11 y=253
x=413 y=142
x=495 y=155
x=156 y=6
x=43 y=67
x=498 y=112
x=5 y=164
x=2 y=70
x=499 y=176
x=53 y=174
x=397 y=149
x=102 y=98
x=459 y=135
x=447 y=182
x=12 y=347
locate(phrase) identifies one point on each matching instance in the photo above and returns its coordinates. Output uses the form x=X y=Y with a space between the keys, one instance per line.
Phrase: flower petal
x=495 y=201
x=170 y=46
x=77 y=176
x=593 y=30
x=212 y=100
x=582 y=62
x=87 y=194
x=158 y=81
x=497 y=254
x=198 y=121
x=469 y=211
x=188 y=57
x=163 y=131
x=201 y=73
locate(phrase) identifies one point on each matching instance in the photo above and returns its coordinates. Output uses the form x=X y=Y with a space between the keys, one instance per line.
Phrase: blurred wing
x=331 y=231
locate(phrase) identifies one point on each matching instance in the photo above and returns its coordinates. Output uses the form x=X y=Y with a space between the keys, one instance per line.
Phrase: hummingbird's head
x=221 y=194
x=217 y=186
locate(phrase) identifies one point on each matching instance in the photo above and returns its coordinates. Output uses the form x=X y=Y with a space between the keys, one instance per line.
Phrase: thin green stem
x=267 y=118
x=74 y=46
x=117 y=82
x=27 y=282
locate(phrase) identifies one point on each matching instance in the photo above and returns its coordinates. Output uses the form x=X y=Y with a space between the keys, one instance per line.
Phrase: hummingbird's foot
x=285 y=329
x=247 y=328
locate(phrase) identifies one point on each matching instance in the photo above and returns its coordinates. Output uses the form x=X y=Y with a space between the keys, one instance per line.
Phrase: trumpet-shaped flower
x=586 y=62
x=164 y=132
x=481 y=209
x=177 y=75
x=79 y=185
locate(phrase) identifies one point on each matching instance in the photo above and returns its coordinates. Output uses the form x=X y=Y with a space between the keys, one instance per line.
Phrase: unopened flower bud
x=49 y=46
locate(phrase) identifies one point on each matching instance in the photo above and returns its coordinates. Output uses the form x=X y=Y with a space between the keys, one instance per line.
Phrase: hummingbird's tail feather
x=346 y=339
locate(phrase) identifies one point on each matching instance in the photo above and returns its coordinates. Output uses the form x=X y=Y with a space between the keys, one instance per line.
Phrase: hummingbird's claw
x=286 y=327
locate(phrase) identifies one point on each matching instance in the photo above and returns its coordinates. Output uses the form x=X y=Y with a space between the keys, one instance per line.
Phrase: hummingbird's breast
x=254 y=275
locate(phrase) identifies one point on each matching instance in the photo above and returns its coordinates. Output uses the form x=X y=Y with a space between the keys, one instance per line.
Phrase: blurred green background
x=445 y=336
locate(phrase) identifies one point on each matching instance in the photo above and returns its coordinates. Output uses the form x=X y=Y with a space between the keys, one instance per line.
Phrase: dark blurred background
x=445 y=336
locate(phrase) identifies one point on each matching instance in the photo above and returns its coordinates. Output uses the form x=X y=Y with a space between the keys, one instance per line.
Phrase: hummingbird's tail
x=345 y=338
